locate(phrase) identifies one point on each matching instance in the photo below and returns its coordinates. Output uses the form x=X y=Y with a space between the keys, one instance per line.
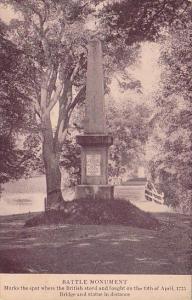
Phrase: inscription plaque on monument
x=93 y=164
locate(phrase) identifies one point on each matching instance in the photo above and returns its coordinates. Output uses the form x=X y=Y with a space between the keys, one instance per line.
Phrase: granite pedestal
x=94 y=164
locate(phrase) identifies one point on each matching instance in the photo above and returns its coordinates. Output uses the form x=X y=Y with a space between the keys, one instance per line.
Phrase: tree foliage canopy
x=130 y=124
x=141 y=20
x=170 y=165
x=16 y=155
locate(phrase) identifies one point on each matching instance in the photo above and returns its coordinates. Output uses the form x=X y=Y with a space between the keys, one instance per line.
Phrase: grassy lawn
x=101 y=249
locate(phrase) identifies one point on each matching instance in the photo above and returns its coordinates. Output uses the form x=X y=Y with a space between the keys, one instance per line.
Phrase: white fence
x=151 y=194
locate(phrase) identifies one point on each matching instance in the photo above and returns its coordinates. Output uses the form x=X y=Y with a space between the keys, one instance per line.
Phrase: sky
x=6 y=13
x=147 y=71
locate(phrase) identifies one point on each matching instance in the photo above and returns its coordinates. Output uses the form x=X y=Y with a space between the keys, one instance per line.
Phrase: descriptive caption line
x=94 y=288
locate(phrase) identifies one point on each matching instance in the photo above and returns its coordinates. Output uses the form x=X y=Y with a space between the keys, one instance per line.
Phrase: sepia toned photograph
x=95 y=137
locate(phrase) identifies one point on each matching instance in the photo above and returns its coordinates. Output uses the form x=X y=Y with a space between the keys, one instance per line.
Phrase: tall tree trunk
x=53 y=174
x=53 y=182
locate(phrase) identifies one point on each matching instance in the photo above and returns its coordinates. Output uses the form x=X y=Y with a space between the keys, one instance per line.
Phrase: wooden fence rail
x=151 y=194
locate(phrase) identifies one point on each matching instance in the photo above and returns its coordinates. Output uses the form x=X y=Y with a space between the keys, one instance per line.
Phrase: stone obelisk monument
x=95 y=141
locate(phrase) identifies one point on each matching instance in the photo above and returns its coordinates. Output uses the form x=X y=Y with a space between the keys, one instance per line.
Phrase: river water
x=26 y=195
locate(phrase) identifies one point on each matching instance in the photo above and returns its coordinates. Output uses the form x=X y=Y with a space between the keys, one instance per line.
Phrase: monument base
x=94 y=191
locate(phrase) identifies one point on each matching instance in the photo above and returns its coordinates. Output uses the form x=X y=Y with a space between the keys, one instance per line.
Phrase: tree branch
x=76 y=69
x=56 y=93
x=78 y=99
x=52 y=80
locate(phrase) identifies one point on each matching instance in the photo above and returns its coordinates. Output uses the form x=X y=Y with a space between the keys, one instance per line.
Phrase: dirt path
x=95 y=249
